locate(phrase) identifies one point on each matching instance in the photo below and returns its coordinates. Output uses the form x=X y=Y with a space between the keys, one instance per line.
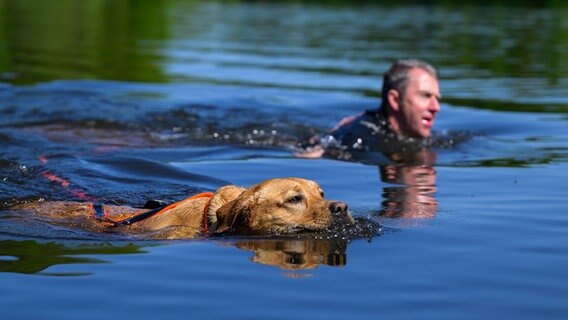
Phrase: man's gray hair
x=397 y=77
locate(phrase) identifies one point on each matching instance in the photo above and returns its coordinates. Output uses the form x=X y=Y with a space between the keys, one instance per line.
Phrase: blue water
x=184 y=97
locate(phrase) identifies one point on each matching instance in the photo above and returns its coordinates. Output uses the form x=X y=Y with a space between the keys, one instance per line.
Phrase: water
x=129 y=101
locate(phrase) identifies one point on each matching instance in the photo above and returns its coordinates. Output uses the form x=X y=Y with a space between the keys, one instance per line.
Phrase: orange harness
x=99 y=213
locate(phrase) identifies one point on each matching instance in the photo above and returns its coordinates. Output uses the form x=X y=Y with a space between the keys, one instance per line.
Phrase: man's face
x=419 y=105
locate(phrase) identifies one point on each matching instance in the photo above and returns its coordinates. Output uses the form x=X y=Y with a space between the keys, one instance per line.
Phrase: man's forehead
x=424 y=81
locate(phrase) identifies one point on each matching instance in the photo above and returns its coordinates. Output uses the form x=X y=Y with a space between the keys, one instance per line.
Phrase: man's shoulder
x=377 y=114
x=372 y=119
x=363 y=129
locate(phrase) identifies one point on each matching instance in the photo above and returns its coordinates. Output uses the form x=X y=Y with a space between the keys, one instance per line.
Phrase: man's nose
x=435 y=104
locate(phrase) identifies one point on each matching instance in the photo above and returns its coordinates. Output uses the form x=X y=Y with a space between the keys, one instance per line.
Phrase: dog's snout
x=338 y=207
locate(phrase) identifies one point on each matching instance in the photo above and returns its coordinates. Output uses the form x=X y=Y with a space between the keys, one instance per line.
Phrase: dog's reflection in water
x=297 y=254
x=310 y=250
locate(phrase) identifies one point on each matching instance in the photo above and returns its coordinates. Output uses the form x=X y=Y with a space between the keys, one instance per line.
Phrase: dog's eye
x=295 y=199
x=322 y=194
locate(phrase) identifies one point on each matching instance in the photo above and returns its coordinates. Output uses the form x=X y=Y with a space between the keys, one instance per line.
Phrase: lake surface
x=129 y=101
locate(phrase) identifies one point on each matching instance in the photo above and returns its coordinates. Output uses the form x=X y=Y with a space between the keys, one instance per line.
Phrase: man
x=396 y=137
x=410 y=103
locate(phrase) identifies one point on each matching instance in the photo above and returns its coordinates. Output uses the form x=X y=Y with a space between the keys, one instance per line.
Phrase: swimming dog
x=275 y=206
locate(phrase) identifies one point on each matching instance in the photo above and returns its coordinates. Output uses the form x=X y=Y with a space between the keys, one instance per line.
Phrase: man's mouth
x=428 y=121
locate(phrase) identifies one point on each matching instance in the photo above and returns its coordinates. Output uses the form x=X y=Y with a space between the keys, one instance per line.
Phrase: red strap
x=105 y=219
x=62 y=182
x=197 y=196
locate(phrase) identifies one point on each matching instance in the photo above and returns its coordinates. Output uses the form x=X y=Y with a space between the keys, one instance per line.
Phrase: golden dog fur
x=275 y=206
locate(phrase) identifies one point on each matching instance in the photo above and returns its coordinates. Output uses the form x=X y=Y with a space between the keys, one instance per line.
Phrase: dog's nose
x=338 y=207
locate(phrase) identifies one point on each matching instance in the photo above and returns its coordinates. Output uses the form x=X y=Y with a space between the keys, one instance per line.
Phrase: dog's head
x=276 y=206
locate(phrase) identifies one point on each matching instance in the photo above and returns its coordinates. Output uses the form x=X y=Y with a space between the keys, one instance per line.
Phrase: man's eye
x=295 y=199
x=429 y=95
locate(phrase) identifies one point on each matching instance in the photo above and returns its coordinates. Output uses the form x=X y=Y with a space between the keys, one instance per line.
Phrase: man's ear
x=234 y=215
x=393 y=98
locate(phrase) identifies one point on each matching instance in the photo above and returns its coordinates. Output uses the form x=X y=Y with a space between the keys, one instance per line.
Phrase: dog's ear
x=221 y=197
x=235 y=215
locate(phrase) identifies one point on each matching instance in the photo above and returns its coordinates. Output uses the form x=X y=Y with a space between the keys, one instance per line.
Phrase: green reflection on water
x=31 y=257
x=69 y=39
